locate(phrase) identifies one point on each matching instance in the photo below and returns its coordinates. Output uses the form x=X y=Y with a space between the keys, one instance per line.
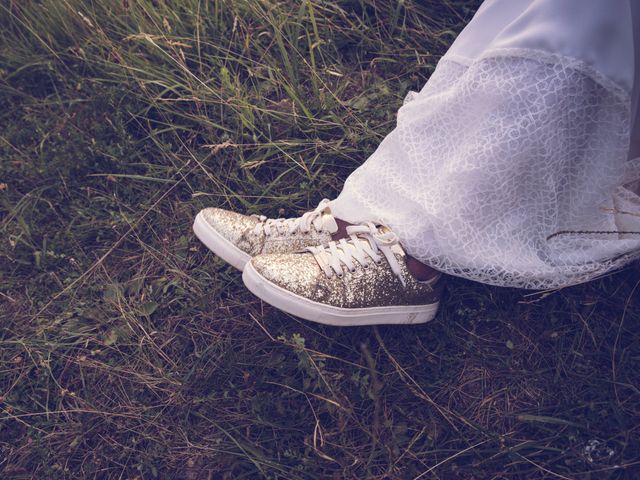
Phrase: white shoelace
x=365 y=244
x=291 y=225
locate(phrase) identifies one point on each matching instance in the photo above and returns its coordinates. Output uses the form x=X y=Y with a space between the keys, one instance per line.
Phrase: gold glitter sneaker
x=236 y=238
x=359 y=280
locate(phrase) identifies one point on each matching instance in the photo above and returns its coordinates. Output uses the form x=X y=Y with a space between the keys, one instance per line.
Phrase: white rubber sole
x=218 y=244
x=329 y=315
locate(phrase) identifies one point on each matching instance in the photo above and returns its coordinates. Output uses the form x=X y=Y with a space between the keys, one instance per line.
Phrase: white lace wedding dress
x=513 y=164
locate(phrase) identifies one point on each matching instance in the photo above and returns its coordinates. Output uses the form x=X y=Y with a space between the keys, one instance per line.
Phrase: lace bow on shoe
x=320 y=218
x=366 y=243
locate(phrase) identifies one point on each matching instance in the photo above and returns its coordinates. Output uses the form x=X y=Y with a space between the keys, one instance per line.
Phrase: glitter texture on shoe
x=236 y=237
x=362 y=280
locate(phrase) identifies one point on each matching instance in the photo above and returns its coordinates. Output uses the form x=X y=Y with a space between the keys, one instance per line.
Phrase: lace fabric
x=502 y=168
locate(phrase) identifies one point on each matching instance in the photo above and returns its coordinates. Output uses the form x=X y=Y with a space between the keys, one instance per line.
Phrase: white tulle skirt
x=513 y=165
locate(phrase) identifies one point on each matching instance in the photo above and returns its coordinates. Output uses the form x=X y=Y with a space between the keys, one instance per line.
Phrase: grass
x=129 y=351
